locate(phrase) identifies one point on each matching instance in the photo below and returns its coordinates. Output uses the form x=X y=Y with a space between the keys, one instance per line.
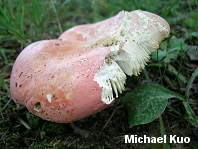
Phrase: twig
x=110 y=118
x=77 y=130
x=23 y=122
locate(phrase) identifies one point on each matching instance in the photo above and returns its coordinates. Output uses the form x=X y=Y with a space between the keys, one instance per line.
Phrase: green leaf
x=170 y=57
x=172 y=70
x=146 y=103
x=158 y=55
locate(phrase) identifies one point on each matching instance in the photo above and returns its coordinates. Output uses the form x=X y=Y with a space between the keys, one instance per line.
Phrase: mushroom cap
x=78 y=74
x=57 y=84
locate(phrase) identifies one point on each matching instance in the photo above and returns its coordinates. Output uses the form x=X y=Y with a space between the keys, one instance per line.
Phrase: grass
x=23 y=22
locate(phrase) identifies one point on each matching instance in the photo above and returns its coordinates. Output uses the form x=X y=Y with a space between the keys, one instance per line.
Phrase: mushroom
x=84 y=70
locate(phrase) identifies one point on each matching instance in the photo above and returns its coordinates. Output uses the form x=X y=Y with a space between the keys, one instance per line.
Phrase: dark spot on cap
x=20 y=74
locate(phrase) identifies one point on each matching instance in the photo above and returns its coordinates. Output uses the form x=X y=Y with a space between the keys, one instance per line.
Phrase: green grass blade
x=163 y=132
x=191 y=115
x=193 y=76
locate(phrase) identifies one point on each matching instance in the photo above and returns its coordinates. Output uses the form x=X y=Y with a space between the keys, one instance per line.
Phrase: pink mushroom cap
x=78 y=74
